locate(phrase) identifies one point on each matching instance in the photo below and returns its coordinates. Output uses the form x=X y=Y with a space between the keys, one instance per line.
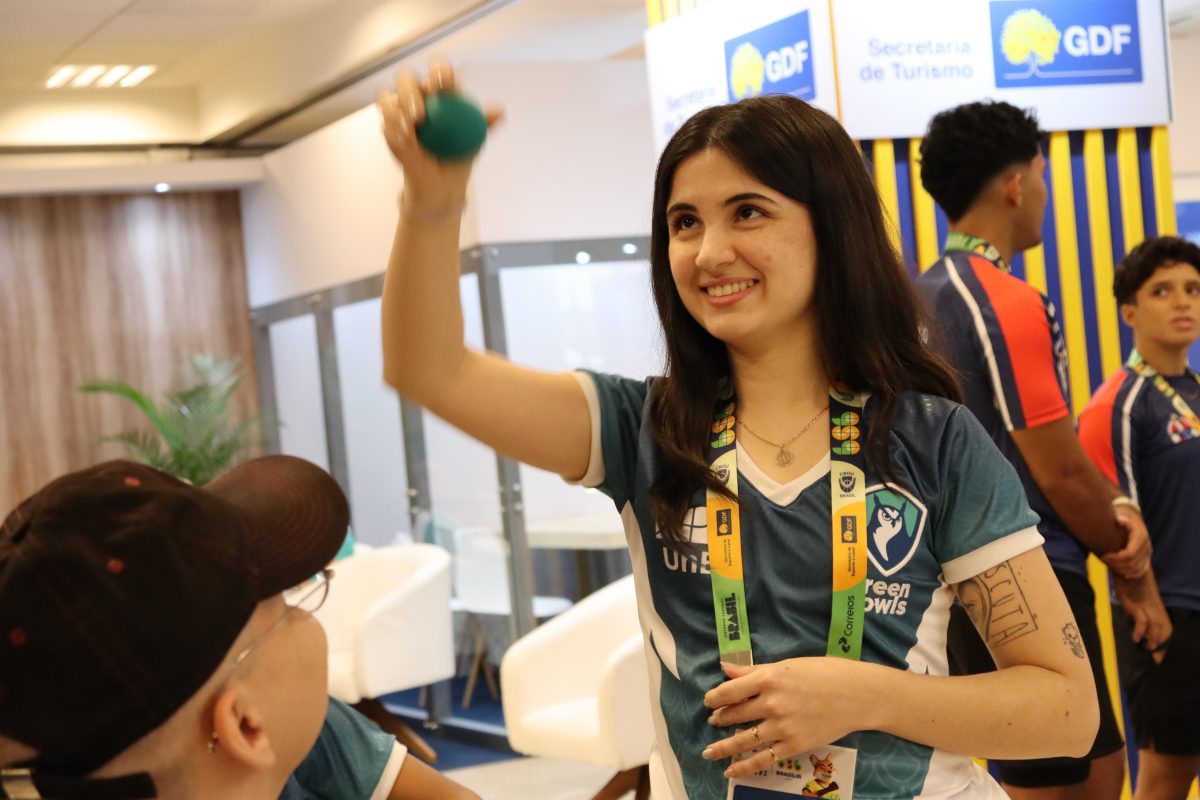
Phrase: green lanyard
x=847 y=527
x=1139 y=365
x=957 y=240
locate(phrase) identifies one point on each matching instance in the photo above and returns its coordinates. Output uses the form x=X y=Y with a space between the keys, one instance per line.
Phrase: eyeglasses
x=307 y=597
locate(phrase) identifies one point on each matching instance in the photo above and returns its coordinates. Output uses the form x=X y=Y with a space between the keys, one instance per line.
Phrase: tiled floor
x=533 y=779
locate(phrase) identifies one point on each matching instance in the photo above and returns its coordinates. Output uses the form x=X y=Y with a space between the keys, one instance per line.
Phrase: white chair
x=388 y=623
x=481 y=587
x=577 y=688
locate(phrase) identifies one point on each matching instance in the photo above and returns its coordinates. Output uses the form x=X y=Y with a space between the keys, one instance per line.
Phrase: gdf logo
x=1097 y=40
x=1065 y=42
x=786 y=61
x=786 y=67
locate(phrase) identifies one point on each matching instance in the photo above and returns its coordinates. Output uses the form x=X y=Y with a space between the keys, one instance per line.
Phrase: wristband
x=1126 y=501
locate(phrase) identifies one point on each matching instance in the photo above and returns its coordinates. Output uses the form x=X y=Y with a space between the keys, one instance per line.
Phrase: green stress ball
x=454 y=127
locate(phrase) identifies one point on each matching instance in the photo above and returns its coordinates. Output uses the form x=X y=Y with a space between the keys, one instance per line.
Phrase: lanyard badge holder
x=1187 y=425
x=819 y=772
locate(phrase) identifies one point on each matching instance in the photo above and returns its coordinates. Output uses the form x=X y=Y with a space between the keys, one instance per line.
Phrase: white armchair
x=577 y=688
x=481 y=587
x=389 y=628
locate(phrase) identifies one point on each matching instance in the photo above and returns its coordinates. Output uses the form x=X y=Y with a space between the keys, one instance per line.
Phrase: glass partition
x=298 y=406
x=411 y=476
x=374 y=441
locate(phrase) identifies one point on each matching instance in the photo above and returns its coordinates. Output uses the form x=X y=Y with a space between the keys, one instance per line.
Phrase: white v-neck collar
x=781 y=494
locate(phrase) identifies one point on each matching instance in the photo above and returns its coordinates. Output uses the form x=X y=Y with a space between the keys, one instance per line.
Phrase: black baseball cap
x=122 y=589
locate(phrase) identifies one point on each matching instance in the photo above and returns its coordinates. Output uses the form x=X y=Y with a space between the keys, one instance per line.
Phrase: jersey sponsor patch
x=1180 y=430
x=895 y=524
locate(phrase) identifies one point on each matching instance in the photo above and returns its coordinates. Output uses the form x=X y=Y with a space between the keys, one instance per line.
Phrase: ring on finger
x=771 y=750
x=754 y=732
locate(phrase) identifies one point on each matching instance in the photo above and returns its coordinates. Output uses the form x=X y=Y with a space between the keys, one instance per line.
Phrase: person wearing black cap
x=149 y=643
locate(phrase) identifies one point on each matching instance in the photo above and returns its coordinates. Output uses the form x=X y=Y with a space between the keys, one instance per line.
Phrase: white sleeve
x=391 y=772
x=991 y=554
x=595 y=469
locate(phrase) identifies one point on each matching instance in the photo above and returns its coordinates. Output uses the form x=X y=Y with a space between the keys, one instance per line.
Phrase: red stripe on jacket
x=1096 y=427
x=1021 y=313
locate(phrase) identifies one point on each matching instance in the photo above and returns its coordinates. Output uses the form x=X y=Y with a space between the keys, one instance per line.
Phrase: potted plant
x=195 y=434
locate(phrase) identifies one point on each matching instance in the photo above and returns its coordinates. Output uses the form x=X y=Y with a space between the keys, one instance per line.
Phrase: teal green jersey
x=352 y=760
x=956 y=509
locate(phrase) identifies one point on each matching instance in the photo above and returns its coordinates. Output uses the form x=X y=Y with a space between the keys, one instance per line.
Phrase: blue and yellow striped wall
x=1109 y=190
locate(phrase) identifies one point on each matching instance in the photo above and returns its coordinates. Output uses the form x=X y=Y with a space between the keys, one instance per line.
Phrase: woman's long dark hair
x=869 y=319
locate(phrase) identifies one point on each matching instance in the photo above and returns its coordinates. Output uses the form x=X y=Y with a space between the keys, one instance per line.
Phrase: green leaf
x=196 y=435
x=123 y=389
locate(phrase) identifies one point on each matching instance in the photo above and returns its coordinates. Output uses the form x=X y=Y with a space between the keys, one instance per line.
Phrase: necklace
x=784 y=457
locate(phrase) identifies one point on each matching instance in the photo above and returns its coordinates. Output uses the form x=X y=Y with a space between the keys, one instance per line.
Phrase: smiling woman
x=800 y=645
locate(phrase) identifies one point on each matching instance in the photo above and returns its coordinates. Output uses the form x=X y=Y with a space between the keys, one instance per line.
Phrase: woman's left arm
x=1040 y=702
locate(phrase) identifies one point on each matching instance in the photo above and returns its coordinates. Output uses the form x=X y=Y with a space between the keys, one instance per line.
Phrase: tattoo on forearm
x=1074 y=641
x=996 y=604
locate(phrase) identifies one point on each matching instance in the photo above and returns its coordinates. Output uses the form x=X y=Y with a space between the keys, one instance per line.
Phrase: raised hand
x=431 y=186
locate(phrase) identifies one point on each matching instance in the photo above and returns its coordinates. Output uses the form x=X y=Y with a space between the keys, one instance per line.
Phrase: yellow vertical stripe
x=924 y=214
x=1068 y=268
x=1098 y=577
x=837 y=79
x=1102 y=257
x=654 y=12
x=1035 y=268
x=1129 y=178
x=1164 y=197
x=885 y=181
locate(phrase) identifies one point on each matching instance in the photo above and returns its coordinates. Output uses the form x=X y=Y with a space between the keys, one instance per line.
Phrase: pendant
x=784 y=457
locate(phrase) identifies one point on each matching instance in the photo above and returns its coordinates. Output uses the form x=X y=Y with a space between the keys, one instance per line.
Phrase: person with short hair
x=1142 y=430
x=801 y=495
x=984 y=164
x=149 y=644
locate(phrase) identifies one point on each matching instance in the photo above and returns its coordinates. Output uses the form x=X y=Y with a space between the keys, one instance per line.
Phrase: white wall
x=574 y=159
x=1185 y=128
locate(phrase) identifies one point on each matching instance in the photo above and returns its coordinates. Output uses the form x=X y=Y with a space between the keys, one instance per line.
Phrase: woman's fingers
x=494 y=115
x=395 y=129
x=741 y=713
x=733 y=691
x=410 y=97
x=742 y=741
x=761 y=751
x=760 y=761
x=441 y=76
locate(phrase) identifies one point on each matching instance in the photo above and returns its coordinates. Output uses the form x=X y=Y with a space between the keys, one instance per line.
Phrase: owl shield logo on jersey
x=895 y=524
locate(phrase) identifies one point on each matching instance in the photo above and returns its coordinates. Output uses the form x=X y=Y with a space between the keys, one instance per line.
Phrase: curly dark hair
x=968 y=145
x=1137 y=267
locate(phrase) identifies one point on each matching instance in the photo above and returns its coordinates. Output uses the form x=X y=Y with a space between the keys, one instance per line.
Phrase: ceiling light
x=61 y=76
x=162 y=188
x=629 y=248
x=137 y=76
x=113 y=75
x=583 y=257
x=88 y=75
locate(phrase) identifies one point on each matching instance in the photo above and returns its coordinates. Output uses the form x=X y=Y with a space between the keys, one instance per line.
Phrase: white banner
x=732 y=50
x=1080 y=64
